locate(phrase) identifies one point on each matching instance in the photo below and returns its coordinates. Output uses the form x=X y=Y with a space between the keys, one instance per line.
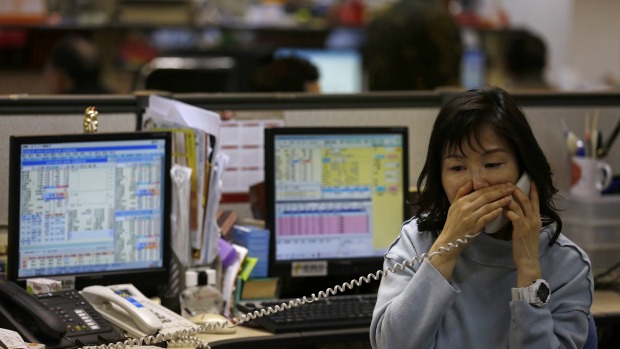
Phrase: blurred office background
x=227 y=40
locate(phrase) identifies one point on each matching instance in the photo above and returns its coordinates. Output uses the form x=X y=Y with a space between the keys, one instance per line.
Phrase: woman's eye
x=493 y=164
x=457 y=168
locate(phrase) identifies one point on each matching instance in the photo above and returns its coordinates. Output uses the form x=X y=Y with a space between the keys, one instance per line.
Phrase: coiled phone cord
x=186 y=338
x=353 y=283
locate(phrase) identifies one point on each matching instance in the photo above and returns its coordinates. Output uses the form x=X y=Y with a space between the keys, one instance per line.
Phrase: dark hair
x=526 y=55
x=79 y=59
x=412 y=46
x=465 y=116
x=285 y=74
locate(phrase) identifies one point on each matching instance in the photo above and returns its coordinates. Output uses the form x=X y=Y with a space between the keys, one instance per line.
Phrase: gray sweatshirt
x=418 y=308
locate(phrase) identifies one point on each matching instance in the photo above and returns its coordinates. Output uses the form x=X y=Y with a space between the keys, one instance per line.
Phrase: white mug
x=589 y=177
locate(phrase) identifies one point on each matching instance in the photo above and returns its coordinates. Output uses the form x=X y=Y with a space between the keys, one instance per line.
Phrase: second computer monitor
x=336 y=197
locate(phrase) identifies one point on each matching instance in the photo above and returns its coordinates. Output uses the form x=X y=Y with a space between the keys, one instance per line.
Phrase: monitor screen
x=340 y=70
x=90 y=208
x=336 y=197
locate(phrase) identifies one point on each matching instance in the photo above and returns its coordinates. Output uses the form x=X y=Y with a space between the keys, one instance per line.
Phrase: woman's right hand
x=469 y=213
x=472 y=209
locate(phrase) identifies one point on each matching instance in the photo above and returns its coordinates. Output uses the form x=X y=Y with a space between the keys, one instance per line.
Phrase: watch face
x=543 y=292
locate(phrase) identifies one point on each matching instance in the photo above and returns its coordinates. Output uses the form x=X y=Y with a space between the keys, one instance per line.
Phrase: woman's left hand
x=524 y=213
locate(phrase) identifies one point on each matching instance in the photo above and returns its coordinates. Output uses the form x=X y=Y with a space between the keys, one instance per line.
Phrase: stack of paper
x=197 y=170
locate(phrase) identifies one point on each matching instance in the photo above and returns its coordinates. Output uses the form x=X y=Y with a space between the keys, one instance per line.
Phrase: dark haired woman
x=525 y=286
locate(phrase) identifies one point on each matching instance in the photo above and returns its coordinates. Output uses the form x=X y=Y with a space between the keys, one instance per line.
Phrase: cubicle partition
x=547 y=112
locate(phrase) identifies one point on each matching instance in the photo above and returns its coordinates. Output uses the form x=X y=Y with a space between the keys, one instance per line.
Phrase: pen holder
x=589 y=177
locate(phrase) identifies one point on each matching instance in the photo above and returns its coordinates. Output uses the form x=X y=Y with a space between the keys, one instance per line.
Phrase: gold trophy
x=90 y=120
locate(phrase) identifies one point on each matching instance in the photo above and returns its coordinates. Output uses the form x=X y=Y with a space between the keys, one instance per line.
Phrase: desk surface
x=263 y=339
x=605 y=307
x=242 y=332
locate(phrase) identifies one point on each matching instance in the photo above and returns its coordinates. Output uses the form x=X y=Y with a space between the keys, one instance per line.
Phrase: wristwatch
x=536 y=294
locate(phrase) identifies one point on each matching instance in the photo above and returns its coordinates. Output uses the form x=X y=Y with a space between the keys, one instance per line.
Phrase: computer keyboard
x=340 y=311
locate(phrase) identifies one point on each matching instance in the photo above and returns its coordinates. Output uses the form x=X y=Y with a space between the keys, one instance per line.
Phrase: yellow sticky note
x=247 y=267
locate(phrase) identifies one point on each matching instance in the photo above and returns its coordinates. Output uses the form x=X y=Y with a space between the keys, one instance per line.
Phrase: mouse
x=213 y=323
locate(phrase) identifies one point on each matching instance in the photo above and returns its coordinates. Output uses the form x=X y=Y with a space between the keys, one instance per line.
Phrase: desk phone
x=126 y=307
x=62 y=319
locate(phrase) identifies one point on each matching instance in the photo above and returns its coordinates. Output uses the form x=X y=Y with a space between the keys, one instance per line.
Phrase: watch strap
x=521 y=294
x=531 y=293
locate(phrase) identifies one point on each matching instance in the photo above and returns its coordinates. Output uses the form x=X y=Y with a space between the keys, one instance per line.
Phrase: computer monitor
x=189 y=74
x=336 y=198
x=90 y=209
x=340 y=70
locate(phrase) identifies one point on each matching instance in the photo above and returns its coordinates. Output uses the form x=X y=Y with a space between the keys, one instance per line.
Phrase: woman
x=478 y=294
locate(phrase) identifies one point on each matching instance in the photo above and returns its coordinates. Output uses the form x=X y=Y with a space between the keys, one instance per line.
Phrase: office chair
x=592 y=341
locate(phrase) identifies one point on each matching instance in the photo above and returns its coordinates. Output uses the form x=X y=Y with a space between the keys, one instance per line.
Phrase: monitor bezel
x=335 y=267
x=151 y=281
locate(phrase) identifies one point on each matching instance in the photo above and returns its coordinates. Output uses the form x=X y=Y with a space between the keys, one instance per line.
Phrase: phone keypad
x=87 y=319
x=75 y=312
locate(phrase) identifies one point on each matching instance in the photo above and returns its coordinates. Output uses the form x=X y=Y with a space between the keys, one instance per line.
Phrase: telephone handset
x=126 y=307
x=118 y=308
x=46 y=320
x=524 y=184
x=61 y=319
